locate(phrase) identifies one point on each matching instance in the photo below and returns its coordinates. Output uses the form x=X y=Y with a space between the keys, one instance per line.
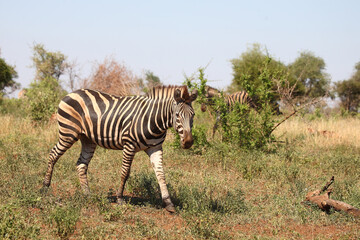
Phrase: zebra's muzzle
x=188 y=140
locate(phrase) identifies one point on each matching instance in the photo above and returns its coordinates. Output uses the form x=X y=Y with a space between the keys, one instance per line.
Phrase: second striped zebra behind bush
x=131 y=124
x=240 y=97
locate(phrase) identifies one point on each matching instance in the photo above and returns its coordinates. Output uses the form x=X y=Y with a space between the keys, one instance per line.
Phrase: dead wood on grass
x=324 y=202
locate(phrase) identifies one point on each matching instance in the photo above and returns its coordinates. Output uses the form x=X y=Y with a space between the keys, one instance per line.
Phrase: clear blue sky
x=171 y=38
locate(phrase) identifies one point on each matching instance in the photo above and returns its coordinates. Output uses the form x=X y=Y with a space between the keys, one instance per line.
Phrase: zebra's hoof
x=170 y=208
x=44 y=189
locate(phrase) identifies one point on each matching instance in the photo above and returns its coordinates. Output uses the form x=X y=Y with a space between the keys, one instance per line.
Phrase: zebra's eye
x=177 y=114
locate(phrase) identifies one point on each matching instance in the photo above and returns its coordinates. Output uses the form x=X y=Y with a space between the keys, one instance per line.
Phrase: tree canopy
x=305 y=76
x=248 y=68
x=45 y=91
x=349 y=91
x=309 y=71
x=7 y=76
x=151 y=81
x=48 y=64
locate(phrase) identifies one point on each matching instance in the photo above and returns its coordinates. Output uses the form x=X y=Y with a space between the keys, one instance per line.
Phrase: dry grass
x=222 y=193
x=322 y=132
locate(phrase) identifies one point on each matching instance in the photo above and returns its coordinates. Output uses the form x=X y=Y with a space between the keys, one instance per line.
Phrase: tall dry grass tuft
x=323 y=132
x=11 y=124
x=17 y=128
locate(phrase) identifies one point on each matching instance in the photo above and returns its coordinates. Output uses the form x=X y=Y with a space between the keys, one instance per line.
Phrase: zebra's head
x=183 y=116
x=210 y=94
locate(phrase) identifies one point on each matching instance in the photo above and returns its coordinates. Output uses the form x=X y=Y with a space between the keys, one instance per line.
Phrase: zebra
x=128 y=123
x=241 y=97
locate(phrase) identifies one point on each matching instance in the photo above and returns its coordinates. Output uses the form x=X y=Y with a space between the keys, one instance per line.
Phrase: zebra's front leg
x=128 y=156
x=156 y=157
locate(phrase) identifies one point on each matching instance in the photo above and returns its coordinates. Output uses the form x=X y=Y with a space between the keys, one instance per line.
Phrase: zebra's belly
x=126 y=136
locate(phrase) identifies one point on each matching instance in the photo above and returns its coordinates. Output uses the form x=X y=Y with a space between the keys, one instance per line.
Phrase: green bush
x=44 y=97
x=12 y=106
x=247 y=127
x=250 y=128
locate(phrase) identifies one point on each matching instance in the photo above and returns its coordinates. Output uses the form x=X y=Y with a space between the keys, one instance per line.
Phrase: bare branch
x=312 y=102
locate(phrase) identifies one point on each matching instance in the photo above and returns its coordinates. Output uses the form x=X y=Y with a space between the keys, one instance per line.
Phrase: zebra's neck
x=162 y=114
x=165 y=96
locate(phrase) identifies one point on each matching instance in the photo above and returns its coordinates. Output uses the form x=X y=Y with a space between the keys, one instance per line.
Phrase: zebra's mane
x=167 y=92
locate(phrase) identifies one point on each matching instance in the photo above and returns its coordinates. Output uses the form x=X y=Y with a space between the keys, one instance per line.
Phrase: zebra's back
x=241 y=97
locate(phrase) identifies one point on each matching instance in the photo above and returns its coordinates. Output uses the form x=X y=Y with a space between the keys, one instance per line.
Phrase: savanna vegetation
x=249 y=181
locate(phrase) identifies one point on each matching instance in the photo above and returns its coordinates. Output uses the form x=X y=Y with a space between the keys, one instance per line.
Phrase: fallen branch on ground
x=325 y=203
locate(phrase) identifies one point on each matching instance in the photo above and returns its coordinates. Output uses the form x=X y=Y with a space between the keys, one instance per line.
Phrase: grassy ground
x=220 y=191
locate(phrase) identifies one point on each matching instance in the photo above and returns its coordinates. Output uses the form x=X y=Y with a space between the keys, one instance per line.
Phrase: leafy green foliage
x=201 y=143
x=13 y=106
x=309 y=70
x=44 y=97
x=7 y=76
x=48 y=64
x=349 y=91
x=250 y=64
x=151 y=81
x=198 y=82
x=306 y=74
x=45 y=92
x=247 y=127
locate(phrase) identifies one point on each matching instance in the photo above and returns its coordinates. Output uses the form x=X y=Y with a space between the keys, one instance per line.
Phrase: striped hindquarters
x=241 y=97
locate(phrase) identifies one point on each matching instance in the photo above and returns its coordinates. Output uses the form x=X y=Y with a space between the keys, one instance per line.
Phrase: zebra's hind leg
x=128 y=156
x=87 y=152
x=156 y=157
x=216 y=125
x=64 y=143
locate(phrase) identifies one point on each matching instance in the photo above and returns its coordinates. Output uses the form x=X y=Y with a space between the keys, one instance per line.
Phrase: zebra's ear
x=194 y=95
x=177 y=96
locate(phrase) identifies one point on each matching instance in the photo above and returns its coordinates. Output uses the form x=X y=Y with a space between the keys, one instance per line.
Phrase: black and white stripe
x=241 y=97
x=131 y=124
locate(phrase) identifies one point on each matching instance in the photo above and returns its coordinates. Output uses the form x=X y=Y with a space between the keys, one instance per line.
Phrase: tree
x=45 y=91
x=48 y=64
x=349 y=91
x=248 y=68
x=7 y=75
x=309 y=71
x=113 y=78
x=151 y=81
x=44 y=97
